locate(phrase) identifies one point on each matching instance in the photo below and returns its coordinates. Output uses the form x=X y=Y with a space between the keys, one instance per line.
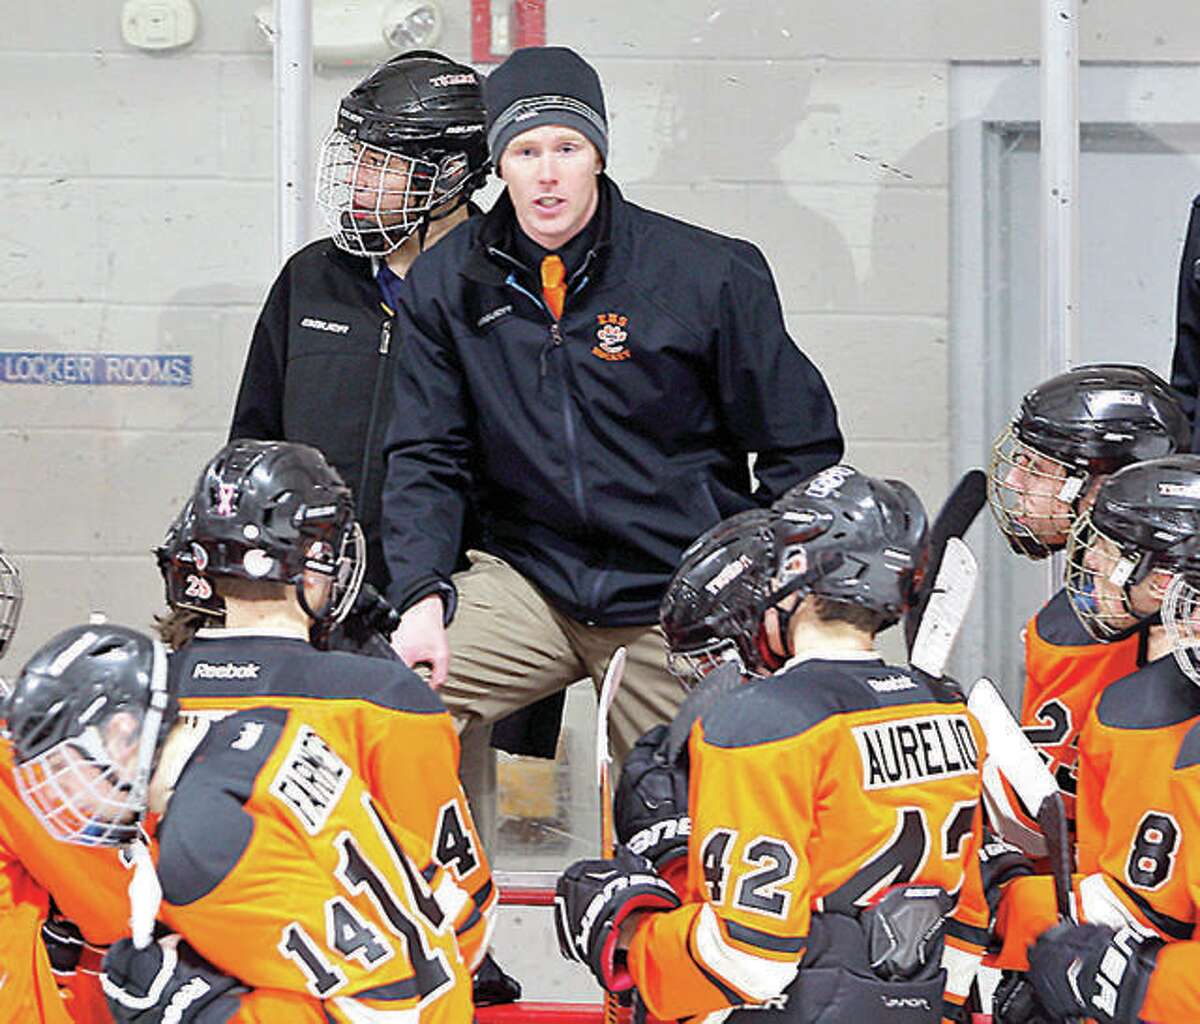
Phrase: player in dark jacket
x=395 y=175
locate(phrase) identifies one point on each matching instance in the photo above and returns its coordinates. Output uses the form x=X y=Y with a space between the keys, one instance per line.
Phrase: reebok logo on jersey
x=229 y=670
x=904 y=751
x=317 y=324
x=891 y=684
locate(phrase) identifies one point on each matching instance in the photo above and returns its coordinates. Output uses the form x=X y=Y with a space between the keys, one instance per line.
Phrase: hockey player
x=395 y=175
x=708 y=615
x=278 y=866
x=1122 y=556
x=1069 y=433
x=264 y=517
x=813 y=791
x=58 y=905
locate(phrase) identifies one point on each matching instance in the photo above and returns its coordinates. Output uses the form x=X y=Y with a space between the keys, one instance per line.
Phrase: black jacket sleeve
x=427 y=452
x=773 y=400
x=1185 y=365
x=258 y=412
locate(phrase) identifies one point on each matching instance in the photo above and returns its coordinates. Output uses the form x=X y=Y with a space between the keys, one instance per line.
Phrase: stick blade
x=613 y=676
x=954 y=519
x=946 y=608
x=1010 y=748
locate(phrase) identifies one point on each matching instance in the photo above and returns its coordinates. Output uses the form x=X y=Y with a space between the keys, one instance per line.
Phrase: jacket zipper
x=385 y=346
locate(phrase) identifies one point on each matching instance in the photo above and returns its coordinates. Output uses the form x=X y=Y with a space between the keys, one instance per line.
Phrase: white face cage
x=1097 y=579
x=1181 y=618
x=1031 y=495
x=10 y=601
x=86 y=793
x=374 y=199
x=691 y=666
x=351 y=567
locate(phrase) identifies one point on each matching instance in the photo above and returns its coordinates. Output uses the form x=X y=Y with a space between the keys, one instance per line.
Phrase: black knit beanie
x=541 y=85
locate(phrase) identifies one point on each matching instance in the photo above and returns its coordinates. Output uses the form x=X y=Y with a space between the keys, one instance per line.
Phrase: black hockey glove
x=63 y=942
x=1085 y=970
x=652 y=803
x=1016 y=1002
x=167 y=980
x=591 y=900
x=999 y=863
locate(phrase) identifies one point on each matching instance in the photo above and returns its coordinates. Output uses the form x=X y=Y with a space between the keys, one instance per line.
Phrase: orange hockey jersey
x=278 y=867
x=1065 y=671
x=381 y=718
x=1127 y=831
x=1126 y=827
x=88 y=886
x=1174 y=991
x=812 y=790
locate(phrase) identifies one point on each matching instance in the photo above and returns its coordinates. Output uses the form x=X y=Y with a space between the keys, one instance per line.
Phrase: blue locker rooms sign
x=92 y=368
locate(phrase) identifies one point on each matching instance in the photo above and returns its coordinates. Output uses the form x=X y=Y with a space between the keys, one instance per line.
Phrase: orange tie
x=554 y=286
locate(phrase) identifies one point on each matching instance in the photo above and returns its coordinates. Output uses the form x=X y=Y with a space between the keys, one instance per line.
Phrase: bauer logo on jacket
x=610 y=337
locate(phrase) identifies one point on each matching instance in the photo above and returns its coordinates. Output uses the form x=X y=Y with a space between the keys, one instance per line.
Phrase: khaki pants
x=509 y=647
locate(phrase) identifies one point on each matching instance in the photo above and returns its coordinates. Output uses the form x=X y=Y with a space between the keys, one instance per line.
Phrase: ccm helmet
x=1085 y=423
x=86 y=719
x=267 y=511
x=409 y=141
x=1122 y=553
x=714 y=602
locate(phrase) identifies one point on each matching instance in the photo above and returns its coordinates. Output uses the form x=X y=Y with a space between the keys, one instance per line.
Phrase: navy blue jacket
x=599 y=446
x=1185 y=365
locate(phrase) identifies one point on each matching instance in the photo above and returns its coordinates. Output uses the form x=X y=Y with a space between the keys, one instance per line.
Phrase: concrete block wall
x=138 y=218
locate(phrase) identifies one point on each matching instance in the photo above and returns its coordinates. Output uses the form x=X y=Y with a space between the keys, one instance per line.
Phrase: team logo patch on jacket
x=610 y=337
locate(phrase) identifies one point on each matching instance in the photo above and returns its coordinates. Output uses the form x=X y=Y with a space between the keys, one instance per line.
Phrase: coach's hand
x=166 y=981
x=1085 y=970
x=593 y=898
x=420 y=639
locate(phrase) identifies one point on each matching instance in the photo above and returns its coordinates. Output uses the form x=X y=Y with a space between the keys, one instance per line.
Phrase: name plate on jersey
x=902 y=751
x=311 y=780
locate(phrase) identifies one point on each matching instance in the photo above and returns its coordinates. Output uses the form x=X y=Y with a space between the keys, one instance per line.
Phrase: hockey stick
x=608 y=838
x=954 y=518
x=1028 y=775
x=945 y=609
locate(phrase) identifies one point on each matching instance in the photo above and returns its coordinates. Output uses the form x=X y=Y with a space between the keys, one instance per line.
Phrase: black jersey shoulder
x=804 y=696
x=275 y=667
x=1058 y=625
x=206 y=828
x=1154 y=696
x=1189 y=749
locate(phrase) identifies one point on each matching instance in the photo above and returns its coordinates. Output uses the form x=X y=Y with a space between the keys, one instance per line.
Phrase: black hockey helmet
x=409 y=140
x=86 y=719
x=1087 y=422
x=267 y=511
x=1145 y=521
x=846 y=536
x=11 y=595
x=186 y=586
x=712 y=607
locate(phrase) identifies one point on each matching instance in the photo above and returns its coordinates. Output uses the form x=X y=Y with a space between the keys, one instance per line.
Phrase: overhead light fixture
x=412 y=24
x=364 y=32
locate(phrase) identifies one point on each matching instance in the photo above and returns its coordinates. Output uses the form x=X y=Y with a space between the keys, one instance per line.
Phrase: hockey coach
x=592 y=374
